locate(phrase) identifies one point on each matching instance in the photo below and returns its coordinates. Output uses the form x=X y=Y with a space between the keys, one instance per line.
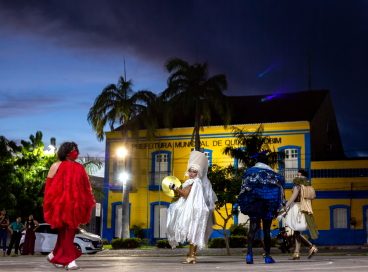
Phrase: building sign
x=98 y=209
x=183 y=144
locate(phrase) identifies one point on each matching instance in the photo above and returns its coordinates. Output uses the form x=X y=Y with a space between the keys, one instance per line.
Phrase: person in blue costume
x=260 y=197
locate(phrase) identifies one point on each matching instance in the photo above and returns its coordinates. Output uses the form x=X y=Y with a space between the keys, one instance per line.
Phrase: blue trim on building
x=214 y=134
x=113 y=212
x=347 y=216
x=152 y=220
x=341 y=194
x=292 y=147
x=209 y=156
x=106 y=233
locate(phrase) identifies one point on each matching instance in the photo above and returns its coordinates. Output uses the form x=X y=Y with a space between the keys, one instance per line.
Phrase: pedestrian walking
x=16 y=229
x=29 y=242
x=261 y=195
x=4 y=223
x=68 y=203
x=191 y=218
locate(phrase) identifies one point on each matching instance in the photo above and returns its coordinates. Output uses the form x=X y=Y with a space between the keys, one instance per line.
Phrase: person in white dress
x=192 y=218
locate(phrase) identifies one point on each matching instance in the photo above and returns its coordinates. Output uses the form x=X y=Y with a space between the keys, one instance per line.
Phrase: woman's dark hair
x=65 y=148
x=262 y=158
x=304 y=173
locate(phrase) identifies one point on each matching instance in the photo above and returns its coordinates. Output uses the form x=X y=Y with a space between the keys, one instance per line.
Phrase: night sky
x=57 y=56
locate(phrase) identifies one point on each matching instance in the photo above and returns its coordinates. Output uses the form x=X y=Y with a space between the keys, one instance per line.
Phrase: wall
x=176 y=144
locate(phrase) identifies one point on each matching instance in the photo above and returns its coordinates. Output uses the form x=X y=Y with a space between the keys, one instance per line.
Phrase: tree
x=23 y=171
x=251 y=143
x=119 y=104
x=191 y=89
x=226 y=182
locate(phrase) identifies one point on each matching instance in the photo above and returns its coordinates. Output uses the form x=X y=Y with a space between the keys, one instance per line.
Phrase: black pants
x=266 y=233
x=15 y=239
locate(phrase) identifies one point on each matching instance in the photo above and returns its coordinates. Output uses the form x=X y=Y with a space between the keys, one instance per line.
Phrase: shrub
x=125 y=243
x=105 y=241
x=163 y=244
x=146 y=242
x=138 y=231
x=237 y=241
x=238 y=230
x=180 y=245
x=217 y=243
x=274 y=241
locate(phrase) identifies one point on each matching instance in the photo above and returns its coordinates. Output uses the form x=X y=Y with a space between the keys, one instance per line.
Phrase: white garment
x=295 y=219
x=190 y=218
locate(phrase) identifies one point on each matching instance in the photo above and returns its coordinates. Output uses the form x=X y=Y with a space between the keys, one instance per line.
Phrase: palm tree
x=251 y=143
x=119 y=104
x=191 y=89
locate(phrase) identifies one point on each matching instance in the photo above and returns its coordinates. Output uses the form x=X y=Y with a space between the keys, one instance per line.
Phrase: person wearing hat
x=299 y=215
x=192 y=217
x=260 y=197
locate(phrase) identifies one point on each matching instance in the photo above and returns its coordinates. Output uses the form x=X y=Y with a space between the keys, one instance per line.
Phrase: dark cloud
x=26 y=104
x=240 y=38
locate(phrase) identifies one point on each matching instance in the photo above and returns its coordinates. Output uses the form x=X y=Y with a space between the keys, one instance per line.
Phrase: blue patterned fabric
x=262 y=192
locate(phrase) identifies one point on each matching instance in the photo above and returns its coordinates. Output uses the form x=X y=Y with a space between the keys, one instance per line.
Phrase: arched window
x=339 y=217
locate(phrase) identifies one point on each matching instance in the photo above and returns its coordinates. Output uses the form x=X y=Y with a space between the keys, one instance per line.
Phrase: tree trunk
x=125 y=232
x=197 y=138
x=227 y=241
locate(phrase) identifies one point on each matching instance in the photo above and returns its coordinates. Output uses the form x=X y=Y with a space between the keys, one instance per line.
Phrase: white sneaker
x=49 y=258
x=72 y=266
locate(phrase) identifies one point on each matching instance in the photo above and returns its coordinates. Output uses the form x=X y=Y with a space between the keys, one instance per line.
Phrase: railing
x=157 y=177
x=339 y=173
x=289 y=174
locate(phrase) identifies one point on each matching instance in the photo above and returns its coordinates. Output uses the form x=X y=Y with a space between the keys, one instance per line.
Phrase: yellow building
x=293 y=129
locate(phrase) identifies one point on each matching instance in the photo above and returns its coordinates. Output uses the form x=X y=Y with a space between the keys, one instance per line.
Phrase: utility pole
x=309 y=56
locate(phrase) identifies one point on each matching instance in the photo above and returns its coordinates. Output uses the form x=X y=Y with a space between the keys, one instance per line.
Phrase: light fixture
x=122 y=152
x=123 y=177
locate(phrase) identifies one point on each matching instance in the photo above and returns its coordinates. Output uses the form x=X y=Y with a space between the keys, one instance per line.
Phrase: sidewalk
x=222 y=251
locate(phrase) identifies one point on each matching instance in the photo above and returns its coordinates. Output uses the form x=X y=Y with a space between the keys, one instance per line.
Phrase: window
x=160 y=214
x=291 y=158
x=50 y=230
x=161 y=162
x=340 y=216
x=118 y=220
x=41 y=229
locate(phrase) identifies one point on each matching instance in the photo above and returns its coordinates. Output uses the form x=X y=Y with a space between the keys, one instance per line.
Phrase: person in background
x=29 y=242
x=4 y=222
x=16 y=229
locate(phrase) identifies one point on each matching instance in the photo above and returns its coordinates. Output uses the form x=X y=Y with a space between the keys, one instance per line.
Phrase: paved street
x=205 y=263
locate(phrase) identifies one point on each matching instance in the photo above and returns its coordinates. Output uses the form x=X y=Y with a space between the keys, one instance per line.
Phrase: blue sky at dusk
x=57 y=56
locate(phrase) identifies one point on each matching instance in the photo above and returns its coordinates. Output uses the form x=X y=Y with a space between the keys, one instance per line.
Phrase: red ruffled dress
x=68 y=203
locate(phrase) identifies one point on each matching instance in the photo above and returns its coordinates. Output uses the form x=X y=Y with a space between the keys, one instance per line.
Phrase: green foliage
x=217 y=243
x=146 y=242
x=238 y=230
x=191 y=90
x=138 y=231
x=105 y=241
x=163 y=244
x=23 y=172
x=126 y=243
x=119 y=104
x=251 y=143
x=238 y=241
x=274 y=242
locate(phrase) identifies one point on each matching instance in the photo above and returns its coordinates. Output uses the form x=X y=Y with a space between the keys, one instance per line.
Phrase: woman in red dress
x=29 y=242
x=68 y=202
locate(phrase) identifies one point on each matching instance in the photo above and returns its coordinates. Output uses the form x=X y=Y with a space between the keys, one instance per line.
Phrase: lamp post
x=124 y=177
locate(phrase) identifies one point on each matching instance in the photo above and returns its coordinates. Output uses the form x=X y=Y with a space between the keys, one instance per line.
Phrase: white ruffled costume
x=192 y=218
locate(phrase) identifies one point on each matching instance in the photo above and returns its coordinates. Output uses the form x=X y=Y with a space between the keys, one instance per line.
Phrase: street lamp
x=122 y=152
x=124 y=177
